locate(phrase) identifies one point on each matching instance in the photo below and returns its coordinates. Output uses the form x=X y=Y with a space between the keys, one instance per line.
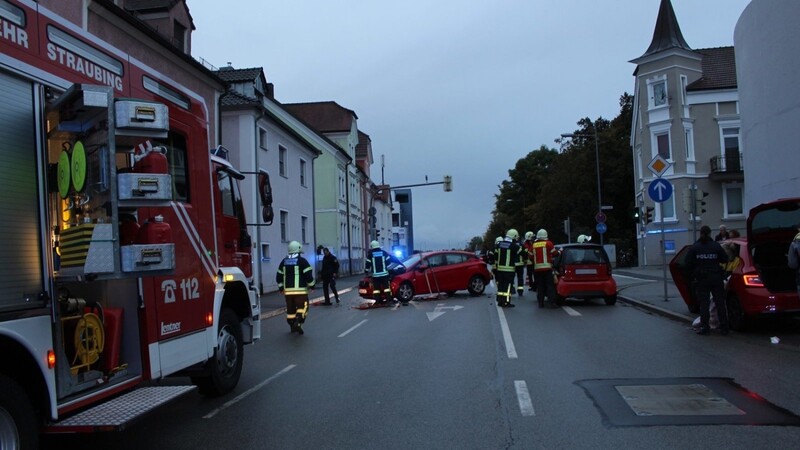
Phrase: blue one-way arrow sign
x=660 y=190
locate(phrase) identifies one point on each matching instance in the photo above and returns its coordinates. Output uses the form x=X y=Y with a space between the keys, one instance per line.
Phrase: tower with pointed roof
x=686 y=111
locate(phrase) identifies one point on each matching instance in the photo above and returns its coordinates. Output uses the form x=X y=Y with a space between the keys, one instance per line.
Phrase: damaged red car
x=432 y=273
x=762 y=284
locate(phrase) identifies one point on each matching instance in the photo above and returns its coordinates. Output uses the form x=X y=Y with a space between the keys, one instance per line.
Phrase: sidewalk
x=274 y=304
x=648 y=292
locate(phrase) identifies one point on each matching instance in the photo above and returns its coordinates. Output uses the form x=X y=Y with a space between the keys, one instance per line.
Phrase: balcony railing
x=726 y=164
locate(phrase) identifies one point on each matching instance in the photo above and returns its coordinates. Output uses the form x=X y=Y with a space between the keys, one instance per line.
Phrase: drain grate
x=682 y=401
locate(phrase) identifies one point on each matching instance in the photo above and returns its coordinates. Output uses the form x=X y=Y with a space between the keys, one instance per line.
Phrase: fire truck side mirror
x=265 y=191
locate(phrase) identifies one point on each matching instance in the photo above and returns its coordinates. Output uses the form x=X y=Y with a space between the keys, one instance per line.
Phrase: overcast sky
x=446 y=87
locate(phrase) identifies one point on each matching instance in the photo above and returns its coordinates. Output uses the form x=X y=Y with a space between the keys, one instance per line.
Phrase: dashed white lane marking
x=352 y=328
x=524 y=398
x=510 y=349
x=248 y=392
x=570 y=311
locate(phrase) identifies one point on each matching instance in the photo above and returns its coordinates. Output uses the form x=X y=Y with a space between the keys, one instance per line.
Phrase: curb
x=658 y=310
x=311 y=301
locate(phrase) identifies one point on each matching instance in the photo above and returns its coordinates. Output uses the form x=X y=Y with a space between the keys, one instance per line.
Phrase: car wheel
x=476 y=285
x=610 y=299
x=736 y=319
x=405 y=292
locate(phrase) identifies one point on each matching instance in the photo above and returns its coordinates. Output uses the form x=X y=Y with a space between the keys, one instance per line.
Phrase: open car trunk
x=770 y=229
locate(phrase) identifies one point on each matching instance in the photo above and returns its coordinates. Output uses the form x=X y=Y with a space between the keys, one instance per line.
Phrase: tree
x=548 y=186
x=476 y=243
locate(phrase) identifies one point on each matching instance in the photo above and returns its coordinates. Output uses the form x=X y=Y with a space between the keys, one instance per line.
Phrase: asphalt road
x=461 y=373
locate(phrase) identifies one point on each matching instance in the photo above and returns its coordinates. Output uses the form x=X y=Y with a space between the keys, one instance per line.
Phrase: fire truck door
x=235 y=241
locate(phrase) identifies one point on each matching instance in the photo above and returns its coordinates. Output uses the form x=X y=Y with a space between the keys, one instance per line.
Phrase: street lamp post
x=597 y=167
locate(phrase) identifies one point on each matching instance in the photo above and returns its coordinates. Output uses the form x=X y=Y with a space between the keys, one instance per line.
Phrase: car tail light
x=752 y=280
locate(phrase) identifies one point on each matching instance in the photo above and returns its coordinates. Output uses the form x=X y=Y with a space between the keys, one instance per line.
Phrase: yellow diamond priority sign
x=659 y=165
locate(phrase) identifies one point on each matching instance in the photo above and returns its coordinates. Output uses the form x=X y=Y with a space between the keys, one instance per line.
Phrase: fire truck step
x=115 y=414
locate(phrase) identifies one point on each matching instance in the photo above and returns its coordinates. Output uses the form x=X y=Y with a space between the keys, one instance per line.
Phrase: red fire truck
x=125 y=256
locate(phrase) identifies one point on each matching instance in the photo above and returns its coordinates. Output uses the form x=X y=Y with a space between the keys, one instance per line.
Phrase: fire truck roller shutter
x=22 y=253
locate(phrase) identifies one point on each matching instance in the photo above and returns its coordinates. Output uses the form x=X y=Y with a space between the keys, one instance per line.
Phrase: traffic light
x=637 y=214
x=648 y=214
x=686 y=200
x=700 y=202
x=448 y=183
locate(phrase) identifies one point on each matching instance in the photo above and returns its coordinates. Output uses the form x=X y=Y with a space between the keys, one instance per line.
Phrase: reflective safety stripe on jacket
x=294 y=275
x=378 y=262
x=508 y=256
x=541 y=256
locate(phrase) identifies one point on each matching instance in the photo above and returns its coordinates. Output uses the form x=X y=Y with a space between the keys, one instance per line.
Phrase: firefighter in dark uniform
x=704 y=261
x=378 y=261
x=519 y=266
x=528 y=257
x=508 y=258
x=295 y=278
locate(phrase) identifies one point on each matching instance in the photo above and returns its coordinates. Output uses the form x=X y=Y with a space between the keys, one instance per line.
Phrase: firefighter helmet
x=528 y=235
x=513 y=234
x=294 y=247
x=541 y=234
x=584 y=238
x=498 y=239
x=374 y=244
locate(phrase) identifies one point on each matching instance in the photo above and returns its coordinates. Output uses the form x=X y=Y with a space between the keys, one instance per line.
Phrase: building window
x=282 y=160
x=662 y=145
x=667 y=209
x=657 y=92
x=734 y=202
x=302 y=172
x=689 y=144
x=265 y=256
x=304 y=229
x=262 y=138
x=284 y=226
x=684 y=83
x=179 y=35
x=730 y=149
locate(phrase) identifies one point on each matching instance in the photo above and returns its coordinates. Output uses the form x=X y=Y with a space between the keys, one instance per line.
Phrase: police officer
x=508 y=257
x=377 y=262
x=704 y=261
x=294 y=279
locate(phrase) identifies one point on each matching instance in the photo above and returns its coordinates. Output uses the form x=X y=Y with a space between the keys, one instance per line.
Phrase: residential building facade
x=339 y=196
x=259 y=135
x=769 y=115
x=686 y=110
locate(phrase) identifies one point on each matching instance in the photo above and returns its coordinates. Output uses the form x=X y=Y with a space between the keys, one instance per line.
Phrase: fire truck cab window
x=226 y=190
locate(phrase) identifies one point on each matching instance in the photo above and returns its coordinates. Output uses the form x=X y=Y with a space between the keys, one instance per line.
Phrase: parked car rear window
x=583 y=256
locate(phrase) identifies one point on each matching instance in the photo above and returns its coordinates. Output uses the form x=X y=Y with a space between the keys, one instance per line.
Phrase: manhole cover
x=682 y=401
x=676 y=400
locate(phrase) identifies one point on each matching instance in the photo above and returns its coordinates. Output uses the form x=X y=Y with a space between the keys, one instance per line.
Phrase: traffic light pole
x=663 y=250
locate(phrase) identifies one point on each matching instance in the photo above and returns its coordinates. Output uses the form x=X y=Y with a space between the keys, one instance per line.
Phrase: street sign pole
x=663 y=251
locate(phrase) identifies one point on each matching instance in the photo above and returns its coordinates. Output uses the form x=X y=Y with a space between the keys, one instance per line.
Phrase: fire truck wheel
x=225 y=367
x=17 y=418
